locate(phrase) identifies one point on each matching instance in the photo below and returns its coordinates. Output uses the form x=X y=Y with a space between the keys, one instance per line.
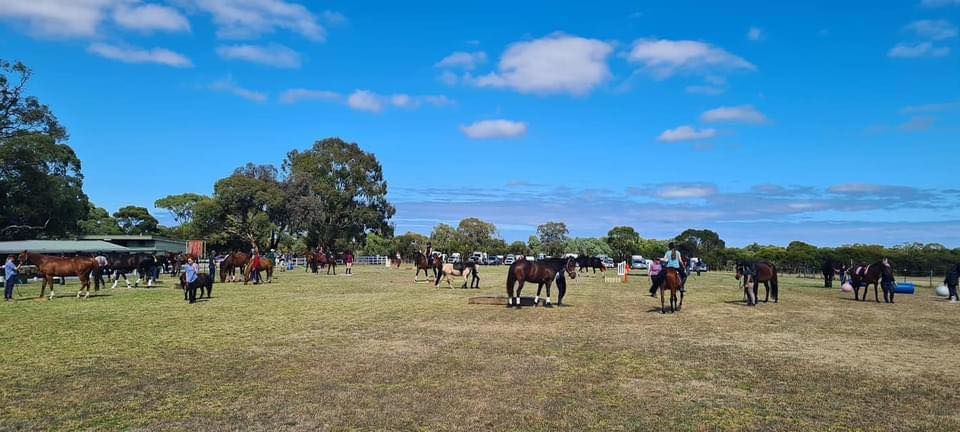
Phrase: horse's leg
x=663 y=304
x=766 y=291
x=679 y=306
x=546 y=303
x=673 y=300
x=876 y=289
x=519 y=288
x=536 y=300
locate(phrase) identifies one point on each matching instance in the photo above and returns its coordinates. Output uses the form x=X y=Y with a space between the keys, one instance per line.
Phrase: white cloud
x=686 y=191
x=139 y=55
x=933 y=29
x=273 y=55
x=686 y=133
x=334 y=18
x=245 y=19
x=755 y=34
x=917 y=50
x=296 y=95
x=554 y=64
x=449 y=78
x=228 y=85
x=740 y=114
x=664 y=58
x=463 y=60
x=365 y=100
x=150 y=17
x=60 y=18
x=934 y=107
x=939 y=3
x=494 y=129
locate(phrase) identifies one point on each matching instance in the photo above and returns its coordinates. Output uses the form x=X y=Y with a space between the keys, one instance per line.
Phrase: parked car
x=638 y=263
x=510 y=259
x=454 y=258
x=492 y=260
x=608 y=262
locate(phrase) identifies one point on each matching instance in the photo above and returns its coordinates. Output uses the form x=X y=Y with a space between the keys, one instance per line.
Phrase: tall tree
x=181 y=206
x=553 y=237
x=534 y=246
x=474 y=234
x=623 y=241
x=245 y=202
x=346 y=191
x=137 y=220
x=704 y=244
x=444 y=238
x=98 y=221
x=41 y=185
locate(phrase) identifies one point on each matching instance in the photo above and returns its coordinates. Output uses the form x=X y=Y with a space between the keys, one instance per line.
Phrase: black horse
x=587 y=262
x=879 y=274
x=829 y=269
x=141 y=263
x=758 y=272
x=543 y=272
x=204 y=281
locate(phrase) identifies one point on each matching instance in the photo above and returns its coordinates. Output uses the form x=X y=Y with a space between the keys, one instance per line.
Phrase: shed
x=142 y=243
x=57 y=247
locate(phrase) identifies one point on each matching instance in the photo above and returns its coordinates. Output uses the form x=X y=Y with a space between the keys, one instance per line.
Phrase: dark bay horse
x=829 y=269
x=758 y=272
x=123 y=264
x=204 y=281
x=467 y=270
x=875 y=274
x=542 y=272
x=49 y=266
x=425 y=263
x=236 y=260
x=586 y=263
x=258 y=263
x=671 y=281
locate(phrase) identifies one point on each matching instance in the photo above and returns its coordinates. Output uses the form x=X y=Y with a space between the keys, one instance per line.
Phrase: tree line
x=334 y=194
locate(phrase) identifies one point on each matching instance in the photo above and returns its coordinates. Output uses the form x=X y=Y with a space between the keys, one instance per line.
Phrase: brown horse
x=49 y=266
x=258 y=263
x=757 y=273
x=467 y=270
x=874 y=274
x=542 y=272
x=236 y=260
x=425 y=263
x=671 y=281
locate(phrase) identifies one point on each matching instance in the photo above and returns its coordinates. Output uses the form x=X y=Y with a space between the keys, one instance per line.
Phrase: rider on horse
x=675 y=261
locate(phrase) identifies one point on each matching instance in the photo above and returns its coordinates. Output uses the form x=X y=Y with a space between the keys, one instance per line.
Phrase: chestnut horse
x=258 y=263
x=872 y=274
x=50 y=266
x=422 y=262
x=543 y=272
x=236 y=260
x=671 y=281
x=757 y=273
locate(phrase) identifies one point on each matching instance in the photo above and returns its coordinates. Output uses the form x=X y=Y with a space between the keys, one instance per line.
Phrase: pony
x=236 y=260
x=425 y=263
x=258 y=263
x=204 y=281
x=586 y=263
x=671 y=281
x=468 y=269
x=542 y=272
x=49 y=266
x=758 y=272
x=874 y=274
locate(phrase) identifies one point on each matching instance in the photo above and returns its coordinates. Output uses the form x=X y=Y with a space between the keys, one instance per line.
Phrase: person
x=213 y=267
x=399 y=260
x=675 y=261
x=429 y=253
x=10 y=271
x=888 y=284
x=348 y=259
x=190 y=273
x=255 y=266
x=103 y=264
x=655 y=268
x=951 y=281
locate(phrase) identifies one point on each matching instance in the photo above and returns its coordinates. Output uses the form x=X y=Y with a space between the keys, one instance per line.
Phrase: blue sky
x=823 y=122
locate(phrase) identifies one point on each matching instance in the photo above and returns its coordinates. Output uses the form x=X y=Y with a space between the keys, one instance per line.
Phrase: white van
x=638 y=263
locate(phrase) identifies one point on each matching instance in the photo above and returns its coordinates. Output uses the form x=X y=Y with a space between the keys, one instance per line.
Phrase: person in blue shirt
x=190 y=270
x=674 y=260
x=10 y=273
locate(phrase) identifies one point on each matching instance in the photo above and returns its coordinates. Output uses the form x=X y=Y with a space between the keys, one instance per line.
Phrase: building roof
x=110 y=237
x=60 y=246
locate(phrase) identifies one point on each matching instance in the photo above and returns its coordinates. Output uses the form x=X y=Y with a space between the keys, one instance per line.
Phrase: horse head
x=24 y=258
x=571 y=267
x=740 y=270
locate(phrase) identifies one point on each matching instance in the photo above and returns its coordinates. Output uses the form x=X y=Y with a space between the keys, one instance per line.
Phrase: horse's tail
x=774 y=286
x=511 y=280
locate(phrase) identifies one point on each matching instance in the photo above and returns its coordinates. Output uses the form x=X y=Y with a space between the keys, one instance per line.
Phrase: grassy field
x=377 y=352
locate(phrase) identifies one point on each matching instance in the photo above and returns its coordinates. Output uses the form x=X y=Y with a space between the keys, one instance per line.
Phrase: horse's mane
x=554 y=263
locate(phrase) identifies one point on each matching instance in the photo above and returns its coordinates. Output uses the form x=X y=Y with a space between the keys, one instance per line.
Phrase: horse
x=395 y=261
x=586 y=263
x=258 y=263
x=542 y=272
x=468 y=269
x=671 y=281
x=329 y=260
x=179 y=259
x=139 y=263
x=49 y=266
x=204 y=281
x=872 y=274
x=236 y=260
x=425 y=263
x=757 y=273
x=829 y=270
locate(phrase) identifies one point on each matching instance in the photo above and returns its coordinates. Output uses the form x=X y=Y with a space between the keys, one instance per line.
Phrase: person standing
x=348 y=259
x=213 y=267
x=190 y=277
x=655 y=268
x=951 y=281
x=10 y=272
x=102 y=263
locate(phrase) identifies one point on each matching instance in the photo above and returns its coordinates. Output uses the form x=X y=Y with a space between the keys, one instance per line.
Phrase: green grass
x=378 y=352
